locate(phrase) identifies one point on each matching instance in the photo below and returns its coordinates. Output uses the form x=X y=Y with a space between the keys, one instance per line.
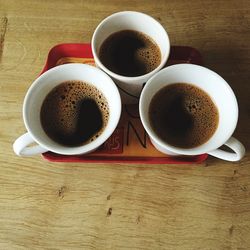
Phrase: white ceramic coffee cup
x=36 y=95
x=130 y=87
x=221 y=94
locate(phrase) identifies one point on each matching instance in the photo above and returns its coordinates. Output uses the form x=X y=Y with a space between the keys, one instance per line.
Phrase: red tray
x=129 y=143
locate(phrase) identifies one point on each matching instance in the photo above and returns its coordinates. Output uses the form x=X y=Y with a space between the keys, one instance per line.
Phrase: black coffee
x=130 y=53
x=183 y=115
x=74 y=113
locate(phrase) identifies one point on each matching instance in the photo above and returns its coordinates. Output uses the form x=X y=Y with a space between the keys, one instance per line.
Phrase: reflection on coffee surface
x=130 y=53
x=74 y=113
x=183 y=115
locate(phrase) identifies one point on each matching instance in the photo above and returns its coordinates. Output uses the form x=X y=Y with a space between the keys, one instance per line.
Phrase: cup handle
x=21 y=146
x=235 y=145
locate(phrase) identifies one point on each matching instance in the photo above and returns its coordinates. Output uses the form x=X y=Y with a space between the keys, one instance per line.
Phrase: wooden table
x=121 y=206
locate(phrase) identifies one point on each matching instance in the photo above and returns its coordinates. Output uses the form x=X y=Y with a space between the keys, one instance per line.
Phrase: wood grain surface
x=117 y=206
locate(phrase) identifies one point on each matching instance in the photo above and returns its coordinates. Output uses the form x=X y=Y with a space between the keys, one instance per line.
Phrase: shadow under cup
x=130 y=87
x=214 y=85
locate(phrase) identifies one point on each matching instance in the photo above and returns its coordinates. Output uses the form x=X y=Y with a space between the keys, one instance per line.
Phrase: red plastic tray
x=129 y=143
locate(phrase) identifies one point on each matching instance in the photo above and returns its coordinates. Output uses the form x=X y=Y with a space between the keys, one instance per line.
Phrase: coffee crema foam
x=183 y=115
x=74 y=113
x=130 y=53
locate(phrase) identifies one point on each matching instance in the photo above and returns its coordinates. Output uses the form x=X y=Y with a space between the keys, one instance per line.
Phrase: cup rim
x=129 y=79
x=82 y=149
x=189 y=151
